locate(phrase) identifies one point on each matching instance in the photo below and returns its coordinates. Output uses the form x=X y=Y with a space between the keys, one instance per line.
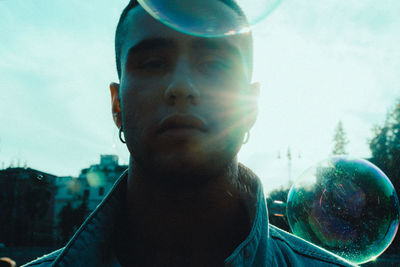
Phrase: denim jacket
x=266 y=245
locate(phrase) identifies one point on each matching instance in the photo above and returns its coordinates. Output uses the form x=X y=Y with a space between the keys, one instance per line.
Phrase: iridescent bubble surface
x=345 y=205
x=210 y=18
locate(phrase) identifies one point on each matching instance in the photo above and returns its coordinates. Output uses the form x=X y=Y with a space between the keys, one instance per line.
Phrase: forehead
x=139 y=26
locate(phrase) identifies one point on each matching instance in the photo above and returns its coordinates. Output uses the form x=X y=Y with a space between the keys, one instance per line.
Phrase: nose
x=181 y=90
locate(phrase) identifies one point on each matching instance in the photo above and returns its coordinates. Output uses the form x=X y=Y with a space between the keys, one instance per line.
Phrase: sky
x=318 y=62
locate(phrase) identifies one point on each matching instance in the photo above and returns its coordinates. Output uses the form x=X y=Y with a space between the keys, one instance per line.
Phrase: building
x=76 y=197
x=27 y=207
x=98 y=179
x=41 y=209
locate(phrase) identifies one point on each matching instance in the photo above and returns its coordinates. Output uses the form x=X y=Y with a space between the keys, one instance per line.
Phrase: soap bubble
x=345 y=205
x=210 y=18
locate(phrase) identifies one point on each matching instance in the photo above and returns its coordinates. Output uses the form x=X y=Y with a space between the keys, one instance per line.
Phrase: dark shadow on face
x=186 y=101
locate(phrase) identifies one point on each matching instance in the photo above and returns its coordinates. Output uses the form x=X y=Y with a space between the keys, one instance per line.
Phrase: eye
x=153 y=64
x=213 y=66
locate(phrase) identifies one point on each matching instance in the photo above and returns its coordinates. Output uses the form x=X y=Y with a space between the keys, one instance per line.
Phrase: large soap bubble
x=210 y=18
x=347 y=206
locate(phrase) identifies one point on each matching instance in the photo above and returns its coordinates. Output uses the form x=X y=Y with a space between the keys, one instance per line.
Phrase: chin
x=187 y=170
x=192 y=163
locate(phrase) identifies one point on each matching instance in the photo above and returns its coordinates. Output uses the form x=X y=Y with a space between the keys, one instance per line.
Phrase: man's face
x=186 y=101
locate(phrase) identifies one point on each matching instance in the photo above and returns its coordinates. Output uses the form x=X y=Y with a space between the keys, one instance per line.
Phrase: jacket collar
x=93 y=243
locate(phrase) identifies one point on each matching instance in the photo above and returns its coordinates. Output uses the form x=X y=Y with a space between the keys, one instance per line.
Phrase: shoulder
x=46 y=260
x=295 y=250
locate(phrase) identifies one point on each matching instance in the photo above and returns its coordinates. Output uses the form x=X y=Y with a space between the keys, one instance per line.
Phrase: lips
x=180 y=122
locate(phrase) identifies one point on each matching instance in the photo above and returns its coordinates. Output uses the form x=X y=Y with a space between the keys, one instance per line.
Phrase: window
x=101 y=191
x=86 y=193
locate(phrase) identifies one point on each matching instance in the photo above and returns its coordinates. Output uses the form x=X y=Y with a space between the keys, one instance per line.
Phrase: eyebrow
x=148 y=45
x=152 y=44
x=212 y=44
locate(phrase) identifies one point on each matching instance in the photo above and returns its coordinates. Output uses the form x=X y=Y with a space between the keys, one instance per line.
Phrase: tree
x=80 y=213
x=385 y=146
x=340 y=140
x=394 y=146
x=379 y=146
x=70 y=219
x=66 y=223
x=385 y=150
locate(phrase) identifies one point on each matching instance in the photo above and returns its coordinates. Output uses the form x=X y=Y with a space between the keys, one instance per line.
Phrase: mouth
x=182 y=124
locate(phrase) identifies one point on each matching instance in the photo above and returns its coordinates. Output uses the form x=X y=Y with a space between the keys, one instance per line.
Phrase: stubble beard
x=181 y=172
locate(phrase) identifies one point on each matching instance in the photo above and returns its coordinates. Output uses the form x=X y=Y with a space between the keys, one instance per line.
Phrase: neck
x=201 y=224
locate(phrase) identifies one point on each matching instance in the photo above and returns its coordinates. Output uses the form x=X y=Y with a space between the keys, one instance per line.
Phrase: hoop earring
x=247 y=137
x=120 y=135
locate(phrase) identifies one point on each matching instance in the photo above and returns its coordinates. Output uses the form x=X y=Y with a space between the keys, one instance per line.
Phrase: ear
x=116 y=109
x=252 y=103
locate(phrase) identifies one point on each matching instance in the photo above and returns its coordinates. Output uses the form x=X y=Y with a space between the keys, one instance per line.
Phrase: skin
x=184 y=205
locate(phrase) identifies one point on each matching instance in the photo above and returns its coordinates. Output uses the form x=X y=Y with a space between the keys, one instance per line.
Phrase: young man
x=184 y=105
